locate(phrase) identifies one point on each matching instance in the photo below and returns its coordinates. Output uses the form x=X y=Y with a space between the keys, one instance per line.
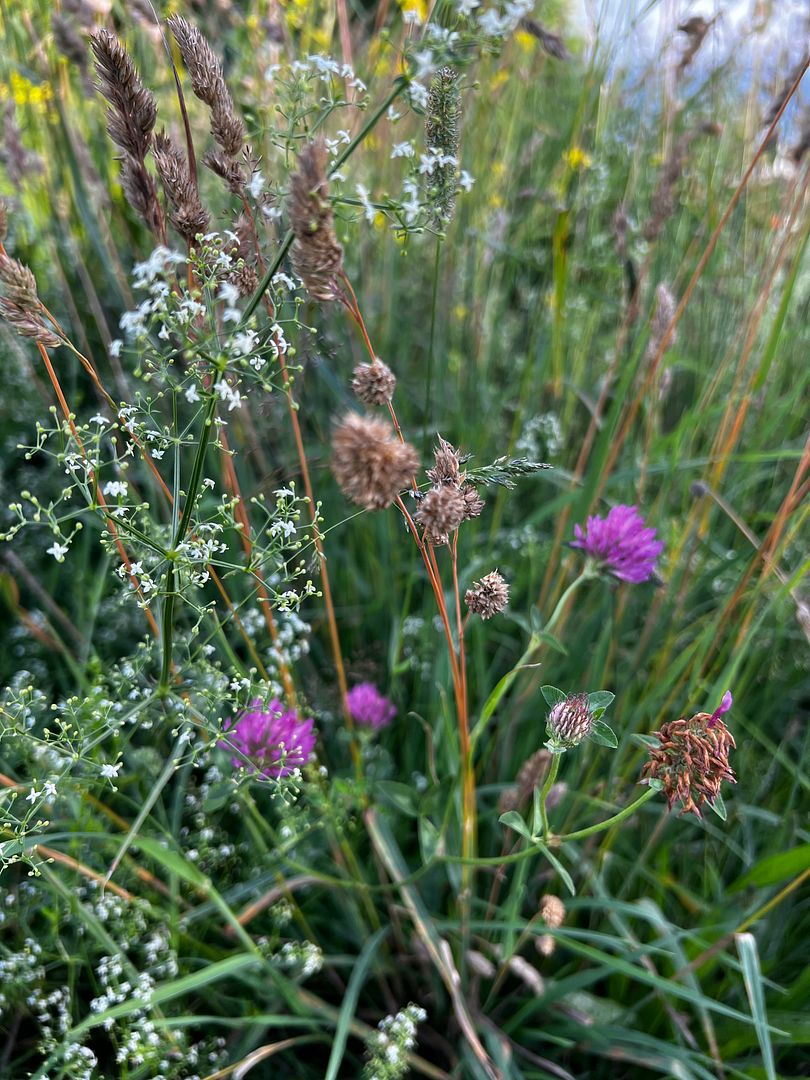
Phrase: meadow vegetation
x=405 y=471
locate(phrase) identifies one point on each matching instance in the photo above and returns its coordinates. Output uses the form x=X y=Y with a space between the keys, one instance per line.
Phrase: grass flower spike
x=621 y=544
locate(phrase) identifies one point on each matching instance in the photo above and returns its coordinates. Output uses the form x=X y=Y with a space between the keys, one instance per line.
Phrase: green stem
x=167 y=633
x=586 y=575
x=552 y=776
x=432 y=339
x=611 y=821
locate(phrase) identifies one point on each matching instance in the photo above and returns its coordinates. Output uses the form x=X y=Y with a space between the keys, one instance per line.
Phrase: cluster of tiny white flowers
x=301 y=954
x=497 y=24
x=388 y=1047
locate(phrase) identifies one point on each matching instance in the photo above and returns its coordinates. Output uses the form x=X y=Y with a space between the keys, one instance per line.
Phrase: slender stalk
x=551 y=776
x=608 y=823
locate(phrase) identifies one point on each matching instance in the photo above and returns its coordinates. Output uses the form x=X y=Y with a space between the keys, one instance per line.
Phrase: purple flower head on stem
x=621 y=544
x=269 y=739
x=725 y=705
x=369 y=707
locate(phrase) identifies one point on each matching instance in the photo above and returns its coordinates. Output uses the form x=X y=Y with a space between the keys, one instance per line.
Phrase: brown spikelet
x=130 y=122
x=488 y=596
x=369 y=462
x=317 y=256
x=532 y=772
x=473 y=503
x=229 y=171
x=186 y=213
x=374 y=384
x=551 y=43
x=69 y=41
x=665 y=305
x=695 y=30
x=447 y=467
x=208 y=83
x=20 y=305
x=440 y=512
x=133 y=110
x=664 y=197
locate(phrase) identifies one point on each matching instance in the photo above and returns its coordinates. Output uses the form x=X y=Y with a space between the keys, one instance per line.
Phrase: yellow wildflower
x=576 y=158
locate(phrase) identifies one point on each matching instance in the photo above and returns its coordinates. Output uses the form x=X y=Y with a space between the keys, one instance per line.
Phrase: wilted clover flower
x=570 y=721
x=620 y=544
x=369 y=707
x=271 y=740
x=692 y=759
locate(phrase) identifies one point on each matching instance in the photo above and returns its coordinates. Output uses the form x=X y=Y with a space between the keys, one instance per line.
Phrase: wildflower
x=369 y=707
x=576 y=158
x=370 y=464
x=58 y=551
x=488 y=596
x=441 y=512
x=692 y=759
x=316 y=254
x=274 y=741
x=570 y=720
x=620 y=544
x=374 y=384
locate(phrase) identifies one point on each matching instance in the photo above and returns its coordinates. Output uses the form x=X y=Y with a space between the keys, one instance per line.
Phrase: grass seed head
x=370 y=463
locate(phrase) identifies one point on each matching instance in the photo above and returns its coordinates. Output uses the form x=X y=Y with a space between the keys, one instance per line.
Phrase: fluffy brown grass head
x=370 y=463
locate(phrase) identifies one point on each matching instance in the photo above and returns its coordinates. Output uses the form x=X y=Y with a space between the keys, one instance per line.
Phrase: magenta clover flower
x=621 y=544
x=369 y=707
x=269 y=739
x=725 y=705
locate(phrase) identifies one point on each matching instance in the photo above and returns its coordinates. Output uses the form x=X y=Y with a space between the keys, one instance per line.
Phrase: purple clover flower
x=725 y=705
x=369 y=707
x=621 y=544
x=273 y=740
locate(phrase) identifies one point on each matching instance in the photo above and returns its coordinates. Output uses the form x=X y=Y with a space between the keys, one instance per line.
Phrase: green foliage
x=168 y=912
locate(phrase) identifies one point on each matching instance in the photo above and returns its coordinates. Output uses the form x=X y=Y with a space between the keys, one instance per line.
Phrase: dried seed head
x=665 y=306
x=245 y=278
x=480 y=965
x=442 y=140
x=69 y=41
x=20 y=305
x=447 y=468
x=692 y=759
x=374 y=384
x=531 y=773
x=187 y=213
x=130 y=123
x=317 y=256
x=551 y=43
x=133 y=109
x=527 y=974
x=571 y=720
x=227 y=170
x=440 y=512
x=545 y=944
x=488 y=596
x=552 y=911
x=208 y=83
x=473 y=503
x=509 y=799
x=369 y=462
